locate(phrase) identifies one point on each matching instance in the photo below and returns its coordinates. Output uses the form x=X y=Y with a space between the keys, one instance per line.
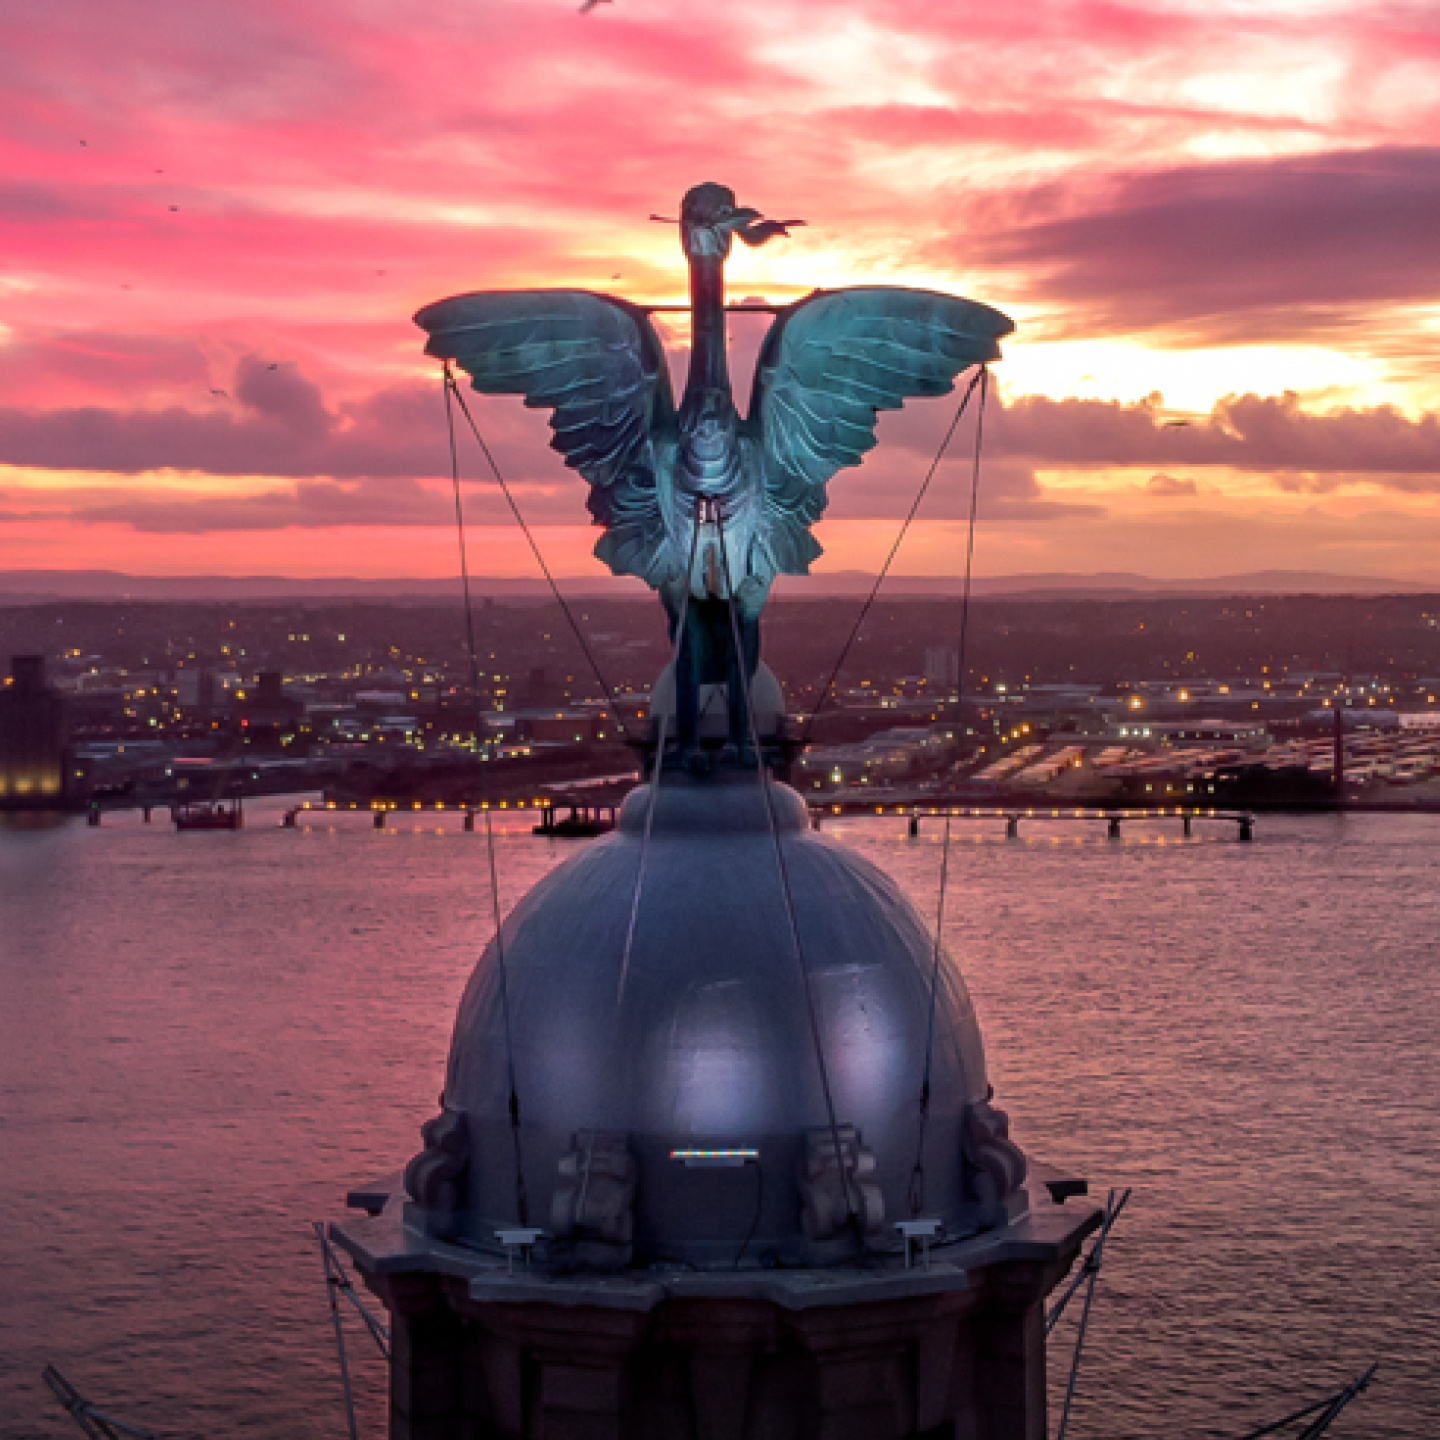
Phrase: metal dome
x=703 y=1042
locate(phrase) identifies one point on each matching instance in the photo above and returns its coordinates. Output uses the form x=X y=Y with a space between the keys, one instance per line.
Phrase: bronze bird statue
x=695 y=498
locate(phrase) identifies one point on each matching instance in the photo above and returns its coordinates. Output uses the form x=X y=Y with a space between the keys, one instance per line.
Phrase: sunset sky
x=216 y=219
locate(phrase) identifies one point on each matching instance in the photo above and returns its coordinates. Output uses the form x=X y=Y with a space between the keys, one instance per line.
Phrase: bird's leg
x=738 y=749
x=687 y=692
x=684 y=730
x=689 y=673
x=749 y=598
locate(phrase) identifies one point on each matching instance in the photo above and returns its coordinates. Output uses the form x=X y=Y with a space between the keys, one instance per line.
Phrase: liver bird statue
x=698 y=500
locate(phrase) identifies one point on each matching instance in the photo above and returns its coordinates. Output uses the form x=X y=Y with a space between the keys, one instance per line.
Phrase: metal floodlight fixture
x=522 y=1239
x=715 y=1159
x=918 y=1232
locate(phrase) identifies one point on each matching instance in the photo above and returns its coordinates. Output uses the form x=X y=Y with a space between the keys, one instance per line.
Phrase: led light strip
x=716 y=1158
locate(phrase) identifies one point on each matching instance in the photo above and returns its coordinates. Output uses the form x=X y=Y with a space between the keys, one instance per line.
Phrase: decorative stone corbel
x=437 y=1180
x=828 y=1198
x=594 y=1207
x=993 y=1165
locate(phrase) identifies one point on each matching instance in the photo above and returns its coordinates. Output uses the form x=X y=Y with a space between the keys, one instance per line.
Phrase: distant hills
x=28 y=586
x=1125 y=585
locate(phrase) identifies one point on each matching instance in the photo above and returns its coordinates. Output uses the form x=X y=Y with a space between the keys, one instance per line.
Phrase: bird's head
x=709 y=218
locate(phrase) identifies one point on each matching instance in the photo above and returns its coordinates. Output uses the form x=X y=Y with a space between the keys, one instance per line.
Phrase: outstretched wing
x=830 y=363
x=597 y=364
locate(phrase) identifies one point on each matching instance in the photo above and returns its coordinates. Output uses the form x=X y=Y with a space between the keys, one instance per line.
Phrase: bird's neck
x=707 y=316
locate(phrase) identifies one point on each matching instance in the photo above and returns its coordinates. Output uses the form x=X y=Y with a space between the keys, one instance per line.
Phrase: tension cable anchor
x=92 y=1421
x=337 y=1283
x=1089 y=1273
x=1324 y=1410
x=1090 y=1266
x=340 y=1282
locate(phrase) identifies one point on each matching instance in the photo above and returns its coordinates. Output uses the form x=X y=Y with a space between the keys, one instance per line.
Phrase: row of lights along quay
x=1148 y=702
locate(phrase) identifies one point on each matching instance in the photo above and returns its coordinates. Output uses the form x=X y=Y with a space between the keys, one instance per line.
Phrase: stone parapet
x=870 y=1351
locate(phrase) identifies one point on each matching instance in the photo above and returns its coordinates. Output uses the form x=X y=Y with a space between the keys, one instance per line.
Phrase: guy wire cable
x=759 y=1210
x=658 y=763
x=1091 y=1263
x=917 y=1175
x=453 y=389
x=1092 y=1270
x=789 y=899
x=339 y=1340
x=970 y=544
x=890 y=558
x=1331 y=1405
x=522 y=1204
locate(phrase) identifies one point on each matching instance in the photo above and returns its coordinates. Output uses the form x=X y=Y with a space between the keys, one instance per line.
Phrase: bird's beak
x=757 y=231
x=737 y=219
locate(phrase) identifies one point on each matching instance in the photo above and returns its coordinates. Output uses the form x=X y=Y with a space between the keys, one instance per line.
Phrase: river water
x=205 y=1039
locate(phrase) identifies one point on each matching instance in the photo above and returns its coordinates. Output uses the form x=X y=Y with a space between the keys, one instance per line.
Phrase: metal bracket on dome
x=523 y=1239
x=921 y=1231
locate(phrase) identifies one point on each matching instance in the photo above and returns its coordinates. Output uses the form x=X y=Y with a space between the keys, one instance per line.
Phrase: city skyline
x=217 y=230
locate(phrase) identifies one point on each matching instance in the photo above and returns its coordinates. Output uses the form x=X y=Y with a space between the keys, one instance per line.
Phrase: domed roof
x=702 y=1041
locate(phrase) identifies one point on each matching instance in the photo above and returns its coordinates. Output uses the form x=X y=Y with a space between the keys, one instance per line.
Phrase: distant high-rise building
x=268 y=713
x=270 y=690
x=195 y=690
x=538 y=688
x=32 y=738
x=942 y=666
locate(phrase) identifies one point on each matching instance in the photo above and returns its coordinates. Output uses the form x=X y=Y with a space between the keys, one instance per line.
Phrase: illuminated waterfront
x=207 y=1038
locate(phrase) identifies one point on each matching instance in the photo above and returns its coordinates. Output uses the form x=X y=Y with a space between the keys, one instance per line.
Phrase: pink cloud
x=1240 y=251
x=274 y=421
x=334 y=168
x=1248 y=432
x=40 y=370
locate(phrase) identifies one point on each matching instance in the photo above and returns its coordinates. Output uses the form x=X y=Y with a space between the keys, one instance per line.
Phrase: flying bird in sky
x=589 y=5
x=225 y=393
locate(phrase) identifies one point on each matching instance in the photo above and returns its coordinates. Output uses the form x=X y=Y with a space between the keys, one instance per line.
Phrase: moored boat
x=210 y=815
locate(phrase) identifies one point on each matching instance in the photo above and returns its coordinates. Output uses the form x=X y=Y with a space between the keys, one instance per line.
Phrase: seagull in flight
x=588 y=5
x=225 y=393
